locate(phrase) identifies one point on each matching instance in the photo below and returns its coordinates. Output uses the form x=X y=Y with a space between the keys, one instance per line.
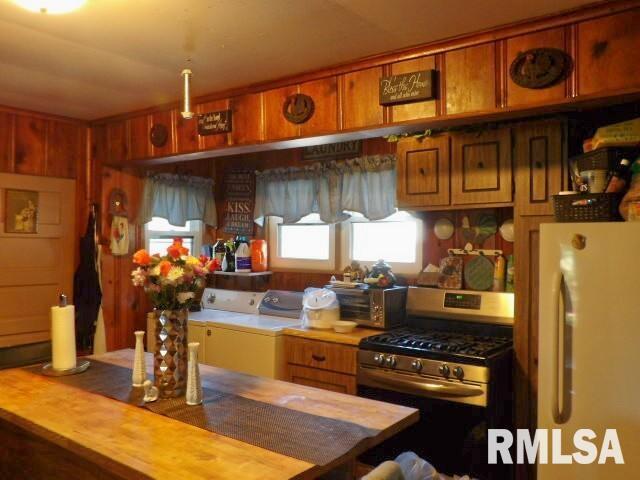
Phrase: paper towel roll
x=63 y=337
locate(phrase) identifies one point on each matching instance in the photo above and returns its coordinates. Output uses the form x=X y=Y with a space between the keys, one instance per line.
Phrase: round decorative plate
x=158 y=135
x=478 y=273
x=443 y=229
x=298 y=108
x=540 y=67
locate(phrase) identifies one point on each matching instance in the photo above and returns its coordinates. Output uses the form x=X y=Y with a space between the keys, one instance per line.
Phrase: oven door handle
x=452 y=390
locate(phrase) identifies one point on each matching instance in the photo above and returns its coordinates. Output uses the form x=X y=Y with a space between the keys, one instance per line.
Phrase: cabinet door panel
x=207 y=142
x=481 y=168
x=470 y=82
x=164 y=118
x=325 y=96
x=360 y=107
x=312 y=377
x=410 y=111
x=276 y=126
x=423 y=172
x=247 y=119
x=608 y=53
x=539 y=159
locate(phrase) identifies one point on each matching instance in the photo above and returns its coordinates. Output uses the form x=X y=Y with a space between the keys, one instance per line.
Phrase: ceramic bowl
x=344 y=326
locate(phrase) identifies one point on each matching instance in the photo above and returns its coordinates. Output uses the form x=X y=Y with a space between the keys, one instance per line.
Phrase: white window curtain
x=366 y=185
x=178 y=198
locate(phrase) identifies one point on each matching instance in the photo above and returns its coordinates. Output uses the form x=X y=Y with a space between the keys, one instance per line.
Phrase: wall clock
x=158 y=135
x=298 y=108
x=540 y=67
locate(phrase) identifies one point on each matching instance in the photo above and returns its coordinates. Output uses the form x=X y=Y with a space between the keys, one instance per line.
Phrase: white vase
x=139 y=368
x=194 y=386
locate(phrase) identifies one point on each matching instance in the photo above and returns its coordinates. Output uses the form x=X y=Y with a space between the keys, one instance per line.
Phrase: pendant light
x=186 y=95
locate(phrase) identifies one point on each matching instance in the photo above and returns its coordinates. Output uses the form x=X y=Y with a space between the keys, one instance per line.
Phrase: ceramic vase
x=170 y=356
x=194 y=385
x=139 y=368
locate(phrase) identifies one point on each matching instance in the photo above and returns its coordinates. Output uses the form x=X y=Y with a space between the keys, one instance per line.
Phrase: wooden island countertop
x=69 y=433
x=328 y=335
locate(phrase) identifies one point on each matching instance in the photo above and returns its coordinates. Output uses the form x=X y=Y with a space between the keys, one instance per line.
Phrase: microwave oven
x=373 y=307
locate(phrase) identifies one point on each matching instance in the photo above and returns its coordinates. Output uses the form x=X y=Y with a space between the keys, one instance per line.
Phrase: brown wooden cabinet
x=276 y=126
x=206 y=142
x=360 y=107
x=247 y=119
x=540 y=164
x=413 y=110
x=423 y=172
x=481 y=167
x=470 y=79
x=315 y=363
x=325 y=116
x=166 y=119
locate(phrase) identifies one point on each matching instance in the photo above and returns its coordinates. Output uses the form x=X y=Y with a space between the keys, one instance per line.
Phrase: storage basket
x=599 y=207
x=603 y=158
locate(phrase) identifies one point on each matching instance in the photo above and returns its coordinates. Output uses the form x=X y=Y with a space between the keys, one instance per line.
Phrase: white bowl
x=344 y=326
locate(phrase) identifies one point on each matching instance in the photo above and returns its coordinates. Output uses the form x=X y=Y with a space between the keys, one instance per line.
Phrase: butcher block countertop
x=329 y=335
x=71 y=433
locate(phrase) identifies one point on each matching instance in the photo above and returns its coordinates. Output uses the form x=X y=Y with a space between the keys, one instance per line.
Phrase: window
x=397 y=239
x=308 y=244
x=159 y=234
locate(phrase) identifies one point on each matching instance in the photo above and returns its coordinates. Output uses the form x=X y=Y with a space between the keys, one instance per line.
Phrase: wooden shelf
x=243 y=274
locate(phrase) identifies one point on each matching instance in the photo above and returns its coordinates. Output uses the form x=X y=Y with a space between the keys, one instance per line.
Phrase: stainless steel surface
x=458 y=372
x=494 y=307
x=444 y=370
x=423 y=385
x=81 y=366
x=382 y=308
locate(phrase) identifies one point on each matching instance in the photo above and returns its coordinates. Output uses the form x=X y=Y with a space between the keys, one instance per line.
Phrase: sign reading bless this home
x=239 y=197
x=407 y=87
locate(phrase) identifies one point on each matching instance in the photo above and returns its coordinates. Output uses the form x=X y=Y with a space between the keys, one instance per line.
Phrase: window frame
x=195 y=232
x=298 y=264
x=404 y=268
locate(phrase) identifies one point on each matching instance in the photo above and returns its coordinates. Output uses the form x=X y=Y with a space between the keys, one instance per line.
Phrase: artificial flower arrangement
x=171 y=281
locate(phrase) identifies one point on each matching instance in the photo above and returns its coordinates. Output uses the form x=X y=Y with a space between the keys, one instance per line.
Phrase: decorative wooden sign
x=298 y=108
x=158 y=135
x=333 y=150
x=408 y=87
x=540 y=67
x=214 y=122
x=239 y=199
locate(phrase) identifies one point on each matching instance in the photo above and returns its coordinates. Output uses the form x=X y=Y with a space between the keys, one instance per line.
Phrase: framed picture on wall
x=21 y=211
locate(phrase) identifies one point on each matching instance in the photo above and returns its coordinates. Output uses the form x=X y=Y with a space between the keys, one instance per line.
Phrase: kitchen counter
x=52 y=430
x=352 y=338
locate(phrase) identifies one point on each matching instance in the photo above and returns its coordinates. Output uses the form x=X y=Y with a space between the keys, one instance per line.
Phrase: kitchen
x=486 y=153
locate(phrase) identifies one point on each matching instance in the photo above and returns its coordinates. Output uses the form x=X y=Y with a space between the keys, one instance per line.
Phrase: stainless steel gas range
x=452 y=361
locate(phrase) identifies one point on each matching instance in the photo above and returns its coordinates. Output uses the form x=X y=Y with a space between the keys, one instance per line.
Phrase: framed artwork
x=21 y=211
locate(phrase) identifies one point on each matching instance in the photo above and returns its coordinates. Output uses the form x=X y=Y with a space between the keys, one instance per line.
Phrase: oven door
x=355 y=304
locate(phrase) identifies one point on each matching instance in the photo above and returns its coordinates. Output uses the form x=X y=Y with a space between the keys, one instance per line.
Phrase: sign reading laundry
x=332 y=150
x=214 y=122
x=239 y=198
x=407 y=87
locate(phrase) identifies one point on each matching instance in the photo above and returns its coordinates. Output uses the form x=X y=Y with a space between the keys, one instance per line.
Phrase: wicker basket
x=593 y=207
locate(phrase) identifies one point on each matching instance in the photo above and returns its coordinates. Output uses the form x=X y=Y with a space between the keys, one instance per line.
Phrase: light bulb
x=186 y=99
x=50 y=6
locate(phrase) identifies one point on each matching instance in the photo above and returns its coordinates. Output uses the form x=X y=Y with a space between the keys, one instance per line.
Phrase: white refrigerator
x=589 y=343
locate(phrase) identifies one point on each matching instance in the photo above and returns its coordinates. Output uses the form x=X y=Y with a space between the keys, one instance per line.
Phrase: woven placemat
x=311 y=438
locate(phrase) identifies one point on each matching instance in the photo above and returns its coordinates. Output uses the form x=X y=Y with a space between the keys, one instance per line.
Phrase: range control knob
x=391 y=361
x=416 y=365
x=458 y=372
x=378 y=358
x=444 y=370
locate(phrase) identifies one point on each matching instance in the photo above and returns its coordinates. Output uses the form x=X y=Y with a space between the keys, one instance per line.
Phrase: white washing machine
x=242 y=331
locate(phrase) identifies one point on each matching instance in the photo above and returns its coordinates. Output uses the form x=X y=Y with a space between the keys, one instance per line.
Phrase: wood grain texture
x=608 y=53
x=66 y=149
x=423 y=172
x=540 y=161
x=275 y=124
x=414 y=110
x=360 y=107
x=138 y=135
x=481 y=170
x=352 y=338
x=117 y=143
x=118 y=438
x=470 y=79
x=248 y=125
x=30 y=145
x=221 y=139
x=166 y=118
x=324 y=92
x=186 y=132
x=517 y=95
x=7 y=128
x=314 y=377
x=319 y=354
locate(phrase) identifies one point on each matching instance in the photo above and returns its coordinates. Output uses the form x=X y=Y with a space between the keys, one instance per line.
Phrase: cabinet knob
x=422 y=171
x=480 y=165
x=318 y=358
x=538 y=164
x=208 y=332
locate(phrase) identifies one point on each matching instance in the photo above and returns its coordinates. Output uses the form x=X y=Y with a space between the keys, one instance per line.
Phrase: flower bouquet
x=172 y=283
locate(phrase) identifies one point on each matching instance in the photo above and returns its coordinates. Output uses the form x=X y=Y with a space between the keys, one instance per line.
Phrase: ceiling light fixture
x=50 y=6
x=186 y=95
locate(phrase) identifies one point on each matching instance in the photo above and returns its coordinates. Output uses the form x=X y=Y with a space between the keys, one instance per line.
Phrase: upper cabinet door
x=360 y=99
x=539 y=159
x=481 y=168
x=423 y=172
x=470 y=79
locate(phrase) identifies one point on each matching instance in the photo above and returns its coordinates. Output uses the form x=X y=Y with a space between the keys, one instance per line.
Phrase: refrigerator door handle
x=559 y=318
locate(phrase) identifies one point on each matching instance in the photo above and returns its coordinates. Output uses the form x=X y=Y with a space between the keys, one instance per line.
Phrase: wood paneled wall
x=473 y=86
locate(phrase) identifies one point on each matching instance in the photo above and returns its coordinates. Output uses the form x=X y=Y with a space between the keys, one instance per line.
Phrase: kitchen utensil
x=443 y=229
x=506 y=230
x=344 y=326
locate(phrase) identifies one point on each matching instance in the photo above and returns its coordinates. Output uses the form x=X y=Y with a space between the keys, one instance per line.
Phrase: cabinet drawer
x=323 y=355
x=314 y=377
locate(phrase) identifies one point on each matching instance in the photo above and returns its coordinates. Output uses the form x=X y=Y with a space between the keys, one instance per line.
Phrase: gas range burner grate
x=415 y=341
